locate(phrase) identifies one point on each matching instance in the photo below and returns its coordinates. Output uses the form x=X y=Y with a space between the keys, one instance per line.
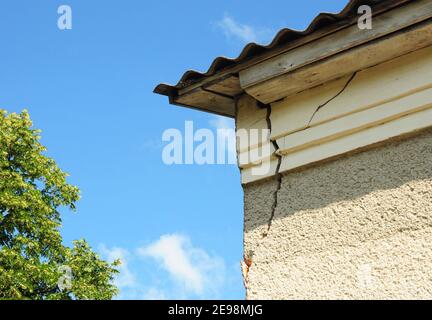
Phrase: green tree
x=34 y=264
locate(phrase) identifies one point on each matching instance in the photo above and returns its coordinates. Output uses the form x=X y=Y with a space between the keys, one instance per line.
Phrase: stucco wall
x=359 y=227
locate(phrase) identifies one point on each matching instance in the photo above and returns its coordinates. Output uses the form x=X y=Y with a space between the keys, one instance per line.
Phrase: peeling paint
x=245 y=266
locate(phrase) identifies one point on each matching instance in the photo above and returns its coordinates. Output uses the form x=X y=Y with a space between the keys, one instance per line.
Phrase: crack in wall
x=279 y=156
x=331 y=99
x=277 y=173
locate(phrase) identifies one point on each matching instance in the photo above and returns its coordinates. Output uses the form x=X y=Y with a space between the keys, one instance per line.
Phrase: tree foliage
x=34 y=264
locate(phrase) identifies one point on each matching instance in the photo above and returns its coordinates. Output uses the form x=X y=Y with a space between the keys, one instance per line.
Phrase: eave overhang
x=216 y=90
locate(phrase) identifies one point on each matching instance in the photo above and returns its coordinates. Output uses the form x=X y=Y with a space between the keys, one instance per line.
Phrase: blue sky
x=178 y=229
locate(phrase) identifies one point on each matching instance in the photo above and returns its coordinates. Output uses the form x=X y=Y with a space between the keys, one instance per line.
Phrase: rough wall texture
x=356 y=228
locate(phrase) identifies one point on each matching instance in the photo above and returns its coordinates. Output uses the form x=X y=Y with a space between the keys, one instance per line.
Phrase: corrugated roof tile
x=282 y=38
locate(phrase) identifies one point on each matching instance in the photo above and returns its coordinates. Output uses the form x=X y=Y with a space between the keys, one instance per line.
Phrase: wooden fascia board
x=356 y=59
x=203 y=100
x=182 y=97
x=310 y=38
x=334 y=44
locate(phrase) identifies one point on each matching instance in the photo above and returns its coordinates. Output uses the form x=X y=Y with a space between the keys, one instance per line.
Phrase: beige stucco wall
x=359 y=227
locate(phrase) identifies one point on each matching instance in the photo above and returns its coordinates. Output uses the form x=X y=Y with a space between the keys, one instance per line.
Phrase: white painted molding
x=404 y=125
x=377 y=104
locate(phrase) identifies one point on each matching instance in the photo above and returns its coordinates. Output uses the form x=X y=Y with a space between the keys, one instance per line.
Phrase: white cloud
x=193 y=270
x=243 y=32
x=125 y=279
x=170 y=251
x=169 y=268
x=232 y=28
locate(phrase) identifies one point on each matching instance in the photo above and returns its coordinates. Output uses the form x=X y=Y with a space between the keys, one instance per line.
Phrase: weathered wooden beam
x=379 y=8
x=229 y=86
x=208 y=101
x=340 y=53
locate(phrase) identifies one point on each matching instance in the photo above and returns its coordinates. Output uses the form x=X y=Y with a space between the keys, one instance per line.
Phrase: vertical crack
x=277 y=173
x=279 y=157
x=331 y=99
